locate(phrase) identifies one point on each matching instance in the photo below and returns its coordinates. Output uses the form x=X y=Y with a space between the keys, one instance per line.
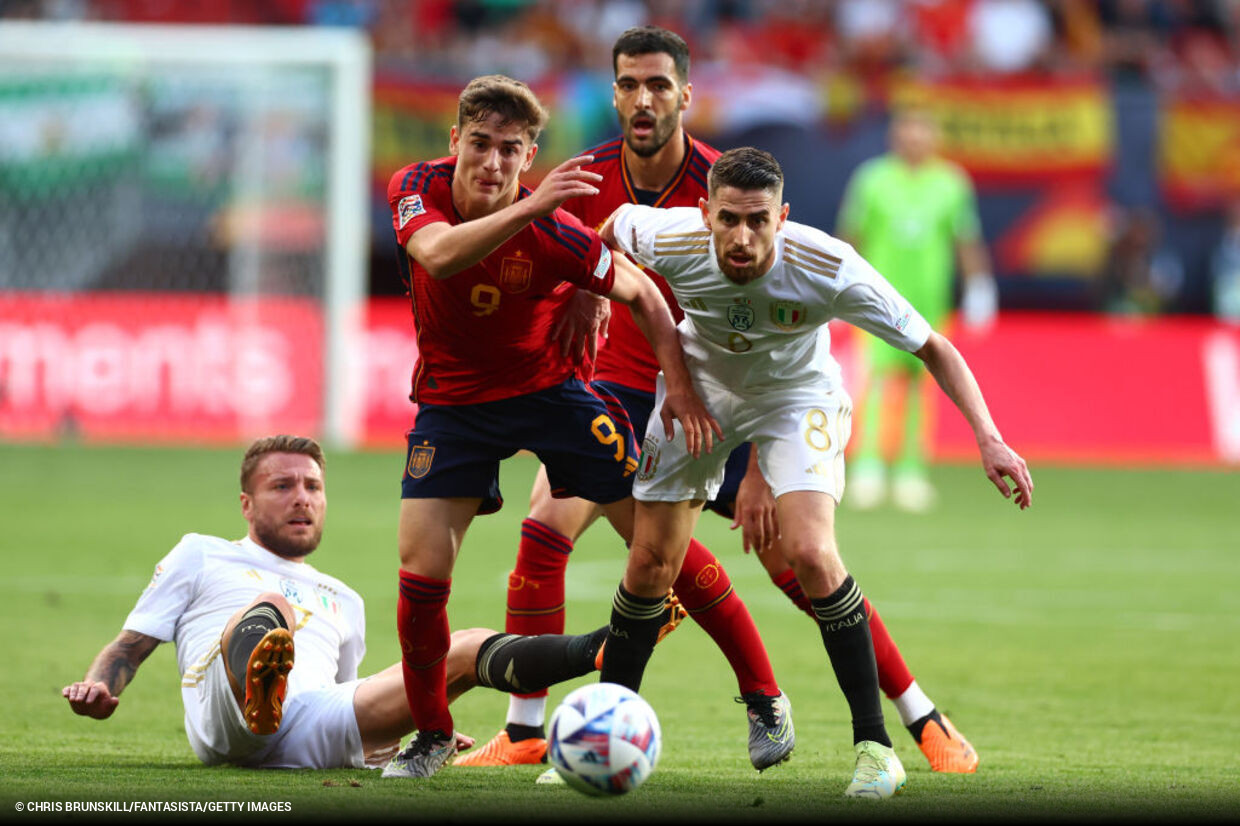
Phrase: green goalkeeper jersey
x=906 y=221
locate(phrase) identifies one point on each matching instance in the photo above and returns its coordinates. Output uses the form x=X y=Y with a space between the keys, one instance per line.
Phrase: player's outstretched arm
x=98 y=693
x=445 y=249
x=654 y=319
x=999 y=461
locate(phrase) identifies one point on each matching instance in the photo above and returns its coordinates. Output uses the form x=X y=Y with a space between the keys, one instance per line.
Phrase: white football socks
x=526 y=711
x=912 y=705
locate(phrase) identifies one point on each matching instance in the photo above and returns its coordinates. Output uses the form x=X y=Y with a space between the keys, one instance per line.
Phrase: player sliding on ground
x=757 y=291
x=268 y=647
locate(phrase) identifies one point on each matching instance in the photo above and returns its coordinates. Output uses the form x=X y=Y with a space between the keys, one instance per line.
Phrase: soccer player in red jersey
x=656 y=162
x=487 y=262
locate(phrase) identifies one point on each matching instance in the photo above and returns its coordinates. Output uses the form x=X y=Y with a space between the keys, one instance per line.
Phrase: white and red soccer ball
x=604 y=739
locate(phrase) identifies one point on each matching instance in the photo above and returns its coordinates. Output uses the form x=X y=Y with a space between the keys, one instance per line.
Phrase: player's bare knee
x=278 y=600
x=463 y=651
x=815 y=560
x=467 y=641
x=649 y=567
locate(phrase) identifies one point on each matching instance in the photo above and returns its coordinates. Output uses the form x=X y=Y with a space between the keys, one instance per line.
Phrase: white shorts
x=800 y=436
x=318 y=729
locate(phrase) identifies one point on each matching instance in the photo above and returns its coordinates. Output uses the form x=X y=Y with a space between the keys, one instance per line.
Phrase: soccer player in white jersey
x=757 y=291
x=237 y=611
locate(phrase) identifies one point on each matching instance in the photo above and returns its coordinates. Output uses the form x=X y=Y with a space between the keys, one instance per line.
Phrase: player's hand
x=463 y=741
x=1002 y=463
x=90 y=699
x=568 y=180
x=754 y=513
x=608 y=230
x=585 y=318
x=979 y=302
x=695 y=420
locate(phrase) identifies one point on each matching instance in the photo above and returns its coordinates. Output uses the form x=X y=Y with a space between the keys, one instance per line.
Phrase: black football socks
x=846 y=636
x=249 y=632
x=634 y=629
x=524 y=665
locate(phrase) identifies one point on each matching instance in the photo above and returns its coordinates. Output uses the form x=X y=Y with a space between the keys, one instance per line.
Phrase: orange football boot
x=501 y=751
x=266 y=680
x=946 y=748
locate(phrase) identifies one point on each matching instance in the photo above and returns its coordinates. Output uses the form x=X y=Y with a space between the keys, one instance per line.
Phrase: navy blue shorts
x=640 y=405
x=581 y=435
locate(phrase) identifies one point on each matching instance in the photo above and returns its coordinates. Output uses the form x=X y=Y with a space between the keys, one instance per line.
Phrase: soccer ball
x=604 y=739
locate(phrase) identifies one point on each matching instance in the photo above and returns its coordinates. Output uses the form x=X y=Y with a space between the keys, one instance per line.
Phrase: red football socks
x=706 y=593
x=422 y=625
x=536 y=584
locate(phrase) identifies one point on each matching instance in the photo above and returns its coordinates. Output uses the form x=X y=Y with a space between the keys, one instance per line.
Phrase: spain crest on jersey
x=515 y=274
x=740 y=315
x=787 y=315
x=420 y=459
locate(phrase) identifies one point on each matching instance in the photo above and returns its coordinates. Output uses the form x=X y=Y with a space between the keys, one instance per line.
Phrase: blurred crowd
x=1182 y=44
x=1183 y=47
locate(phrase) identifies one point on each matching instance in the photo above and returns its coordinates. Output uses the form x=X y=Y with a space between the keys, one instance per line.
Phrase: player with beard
x=657 y=163
x=237 y=611
x=758 y=292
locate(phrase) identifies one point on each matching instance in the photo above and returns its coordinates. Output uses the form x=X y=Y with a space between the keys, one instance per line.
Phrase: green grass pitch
x=1087 y=647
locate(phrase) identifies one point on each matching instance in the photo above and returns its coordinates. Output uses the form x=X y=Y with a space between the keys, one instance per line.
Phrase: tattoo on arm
x=119 y=661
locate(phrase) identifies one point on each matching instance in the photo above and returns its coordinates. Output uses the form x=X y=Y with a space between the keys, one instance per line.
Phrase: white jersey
x=769 y=334
x=204 y=580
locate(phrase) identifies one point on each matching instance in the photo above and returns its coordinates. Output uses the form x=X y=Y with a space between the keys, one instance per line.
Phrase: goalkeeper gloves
x=980 y=301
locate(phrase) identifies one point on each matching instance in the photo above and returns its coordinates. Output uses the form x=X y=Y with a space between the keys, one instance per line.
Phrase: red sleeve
x=419 y=195
x=589 y=261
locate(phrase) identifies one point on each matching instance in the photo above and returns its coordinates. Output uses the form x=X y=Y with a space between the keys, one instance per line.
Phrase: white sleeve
x=169 y=593
x=633 y=232
x=353 y=649
x=867 y=300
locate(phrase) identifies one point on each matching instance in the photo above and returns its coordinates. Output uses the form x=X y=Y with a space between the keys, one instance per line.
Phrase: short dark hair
x=512 y=100
x=653 y=40
x=278 y=444
x=746 y=168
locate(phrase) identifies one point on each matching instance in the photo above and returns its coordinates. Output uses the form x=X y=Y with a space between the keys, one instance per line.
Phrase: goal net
x=183 y=230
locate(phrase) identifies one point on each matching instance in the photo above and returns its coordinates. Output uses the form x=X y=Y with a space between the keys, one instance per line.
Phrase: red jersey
x=485 y=333
x=627 y=358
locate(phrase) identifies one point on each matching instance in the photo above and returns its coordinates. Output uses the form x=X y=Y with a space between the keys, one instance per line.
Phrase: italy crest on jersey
x=650 y=458
x=787 y=315
x=327 y=598
x=740 y=315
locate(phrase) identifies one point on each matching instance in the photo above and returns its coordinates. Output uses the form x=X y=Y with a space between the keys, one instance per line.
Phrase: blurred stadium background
x=195 y=245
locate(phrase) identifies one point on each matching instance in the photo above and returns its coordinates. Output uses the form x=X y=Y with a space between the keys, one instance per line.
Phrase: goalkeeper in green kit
x=910 y=213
